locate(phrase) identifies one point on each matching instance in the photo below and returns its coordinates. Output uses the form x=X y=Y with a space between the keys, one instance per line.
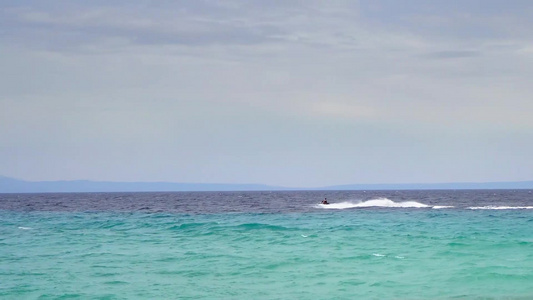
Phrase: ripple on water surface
x=375 y=252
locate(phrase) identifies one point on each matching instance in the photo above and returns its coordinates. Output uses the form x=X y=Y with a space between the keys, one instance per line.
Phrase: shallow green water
x=352 y=254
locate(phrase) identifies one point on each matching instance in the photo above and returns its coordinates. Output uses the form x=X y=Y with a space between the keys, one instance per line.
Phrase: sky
x=288 y=93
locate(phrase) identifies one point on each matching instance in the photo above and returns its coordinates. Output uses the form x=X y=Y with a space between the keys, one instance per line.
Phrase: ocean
x=465 y=244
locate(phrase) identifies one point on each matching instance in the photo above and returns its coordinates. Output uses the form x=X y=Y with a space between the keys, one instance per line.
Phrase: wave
x=387 y=203
x=253 y=226
x=192 y=225
x=380 y=202
x=442 y=206
x=493 y=207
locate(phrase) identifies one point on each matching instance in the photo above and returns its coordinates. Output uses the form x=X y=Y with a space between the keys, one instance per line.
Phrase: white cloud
x=254 y=88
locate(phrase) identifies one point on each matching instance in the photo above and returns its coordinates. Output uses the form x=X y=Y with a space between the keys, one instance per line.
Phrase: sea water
x=268 y=245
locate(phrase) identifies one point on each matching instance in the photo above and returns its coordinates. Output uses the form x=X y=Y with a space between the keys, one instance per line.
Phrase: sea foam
x=380 y=202
x=442 y=206
x=493 y=207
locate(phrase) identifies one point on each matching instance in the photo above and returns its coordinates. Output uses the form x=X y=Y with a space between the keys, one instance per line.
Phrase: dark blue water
x=253 y=202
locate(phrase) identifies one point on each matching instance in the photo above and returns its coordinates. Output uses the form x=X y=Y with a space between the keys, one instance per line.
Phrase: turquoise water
x=387 y=253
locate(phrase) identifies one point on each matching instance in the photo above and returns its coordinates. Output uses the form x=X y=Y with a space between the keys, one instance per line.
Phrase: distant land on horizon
x=11 y=185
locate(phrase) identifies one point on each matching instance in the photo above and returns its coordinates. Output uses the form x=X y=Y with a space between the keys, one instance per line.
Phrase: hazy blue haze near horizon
x=285 y=93
x=11 y=185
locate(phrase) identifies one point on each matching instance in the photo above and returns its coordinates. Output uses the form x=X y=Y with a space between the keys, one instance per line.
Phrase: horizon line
x=250 y=183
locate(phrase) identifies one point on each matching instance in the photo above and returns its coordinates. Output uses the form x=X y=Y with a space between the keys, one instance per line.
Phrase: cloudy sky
x=292 y=93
